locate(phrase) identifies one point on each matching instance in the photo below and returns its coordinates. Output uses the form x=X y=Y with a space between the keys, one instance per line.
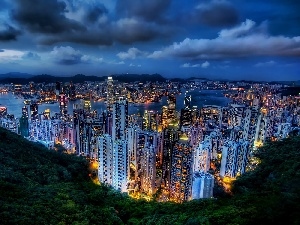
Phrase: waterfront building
x=24 y=123
x=34 y=114
x=3 y=111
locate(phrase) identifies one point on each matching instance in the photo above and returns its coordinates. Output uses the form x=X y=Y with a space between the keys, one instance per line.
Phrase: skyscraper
x=171 y=107
x=23 y=123
x=63 y=104
x=203 y=184
x=120 y=165
x=182 y=170
x=110 y=97
x=105 y=159
x=34 y=114
x=120 y=119
x=3 y=111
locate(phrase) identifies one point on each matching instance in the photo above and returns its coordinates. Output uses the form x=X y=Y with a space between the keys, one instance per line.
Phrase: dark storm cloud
x=44 y=16
x=9 y=33
x=148 y=10
x=128 y=31
x=66 y=55
x=215 y=13
x=89 y=23
x=93 y=14
x=90 y=37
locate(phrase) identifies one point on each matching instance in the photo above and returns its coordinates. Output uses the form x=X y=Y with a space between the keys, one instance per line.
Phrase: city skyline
x=176 y=149
x=218 y=39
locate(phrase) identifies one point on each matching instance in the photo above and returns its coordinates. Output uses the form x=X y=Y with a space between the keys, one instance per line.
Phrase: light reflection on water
x=199 y=98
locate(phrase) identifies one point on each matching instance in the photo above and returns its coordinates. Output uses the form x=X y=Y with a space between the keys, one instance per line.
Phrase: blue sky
x=221 y=39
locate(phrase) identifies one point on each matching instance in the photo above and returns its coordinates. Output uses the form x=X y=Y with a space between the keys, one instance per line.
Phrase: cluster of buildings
x=177 y=154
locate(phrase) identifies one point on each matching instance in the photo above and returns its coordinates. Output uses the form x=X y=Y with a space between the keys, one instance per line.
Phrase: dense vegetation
x=38 y=186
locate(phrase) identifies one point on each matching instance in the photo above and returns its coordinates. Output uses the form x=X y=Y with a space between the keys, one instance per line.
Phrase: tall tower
x=120 y=165
x=24 y=125
x=187 y=101
x=63 y=104
x=58 y=89
x=170 y=136
x=110 y=98
x=181 y=171
x=3 y=111
x=171 y=107
x=105 y=158
x=34 y=114
x=79 y=126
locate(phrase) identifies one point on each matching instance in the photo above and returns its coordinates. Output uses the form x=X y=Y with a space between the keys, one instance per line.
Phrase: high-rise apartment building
x=119 y=119
x=203 y=184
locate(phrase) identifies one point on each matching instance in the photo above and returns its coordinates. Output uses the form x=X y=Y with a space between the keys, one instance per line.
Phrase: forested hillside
x=38 y=186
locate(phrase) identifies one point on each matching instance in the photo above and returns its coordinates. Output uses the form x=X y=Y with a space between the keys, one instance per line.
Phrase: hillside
x=38 y=186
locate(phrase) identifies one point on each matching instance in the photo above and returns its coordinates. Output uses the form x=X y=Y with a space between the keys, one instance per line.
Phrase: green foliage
x=39 y=186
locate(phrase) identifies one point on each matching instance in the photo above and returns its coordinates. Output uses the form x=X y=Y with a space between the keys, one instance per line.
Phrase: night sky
x=219 y=39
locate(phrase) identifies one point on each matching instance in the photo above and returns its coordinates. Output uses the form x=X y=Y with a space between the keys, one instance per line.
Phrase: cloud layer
x=245 y=40
x=8 y=33
x=215 y=13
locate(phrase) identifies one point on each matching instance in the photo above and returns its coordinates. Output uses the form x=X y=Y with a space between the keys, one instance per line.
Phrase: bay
x=199 y=98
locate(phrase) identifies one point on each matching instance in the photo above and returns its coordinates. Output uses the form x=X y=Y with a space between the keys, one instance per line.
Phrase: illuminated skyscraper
x=120 y=165
x=171 y=107
x=164 y=116
x=79 y=126
x=186 y=114
x=203 y=184
x=235 y=156
x=63 y=104
x=120 y=119
x=181 y=171
x=150 y=120
x=87 y=106
x=105 y=159
x=25 y=111
x=58 y=89
x=236 y=113
x=211 y=117
x=34 y=114
x=110 y=97
x=23 y=123
x=72 y=91
x=170 y=136
x=47 y=114
x=201 y=157
x=187 y=101
x=3 y=111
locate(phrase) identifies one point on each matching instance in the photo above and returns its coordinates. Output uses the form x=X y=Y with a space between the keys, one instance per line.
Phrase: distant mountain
x=15 y=75
x=80 y=78
x=139 y=77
